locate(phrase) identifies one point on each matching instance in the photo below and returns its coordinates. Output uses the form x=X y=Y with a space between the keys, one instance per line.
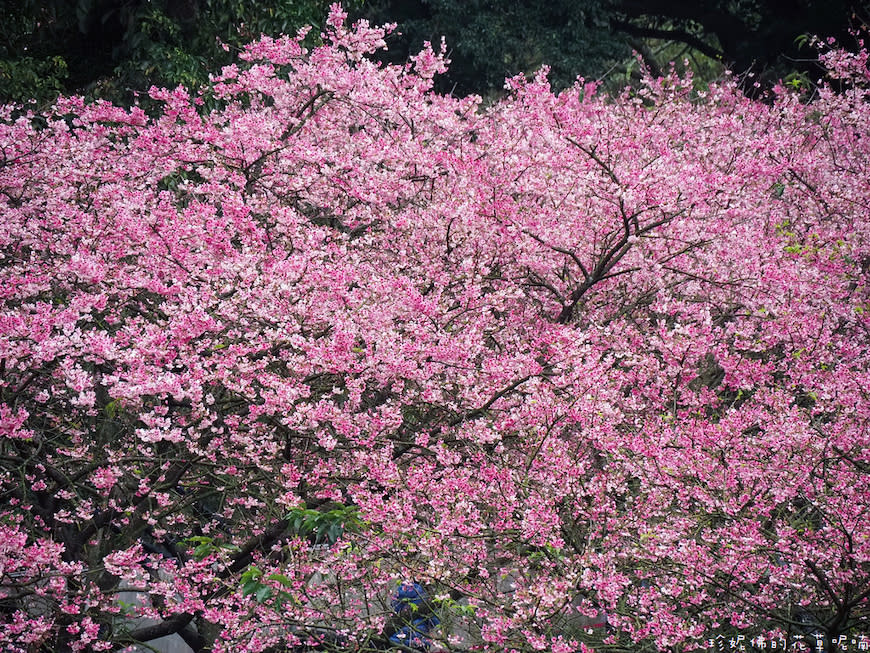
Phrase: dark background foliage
x=113 y=48
x=492 y=39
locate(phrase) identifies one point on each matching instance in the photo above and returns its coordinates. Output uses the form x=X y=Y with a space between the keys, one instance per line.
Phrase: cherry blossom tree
x=319 y=335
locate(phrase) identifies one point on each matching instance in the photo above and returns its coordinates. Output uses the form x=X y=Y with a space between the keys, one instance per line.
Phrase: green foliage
x=204 y=546
x=29 y=70
x=112 y=408
x=327 y=526
x=777 y=190
x=798 y=81
x=449 y=605
x=116 y=49
x=165 y=47
x=27 y=79
x=251 y=581
x=489 y=40
x=272 y=588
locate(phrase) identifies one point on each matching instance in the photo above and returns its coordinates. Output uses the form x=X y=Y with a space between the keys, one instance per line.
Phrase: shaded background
x=112 y=48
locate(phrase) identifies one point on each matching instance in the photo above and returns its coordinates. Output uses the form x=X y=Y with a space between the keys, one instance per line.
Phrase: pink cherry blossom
x=591 y=370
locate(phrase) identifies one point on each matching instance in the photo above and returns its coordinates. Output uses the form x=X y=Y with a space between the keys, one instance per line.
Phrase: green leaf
x=204 y=546
x=280 y=578
x=334 y=532
x=251 y=573
x=777 y=189
x=112 y=408
x=263 y=593
x=283 y=597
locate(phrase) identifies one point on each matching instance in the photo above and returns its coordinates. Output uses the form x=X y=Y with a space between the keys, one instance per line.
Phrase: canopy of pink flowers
x=563 y=355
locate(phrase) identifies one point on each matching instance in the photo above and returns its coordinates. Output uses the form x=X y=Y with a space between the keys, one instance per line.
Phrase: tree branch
x=668 y=35
x=166 y=627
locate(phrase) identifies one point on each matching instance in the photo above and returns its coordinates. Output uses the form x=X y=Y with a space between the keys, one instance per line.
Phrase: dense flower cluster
x=320 y=331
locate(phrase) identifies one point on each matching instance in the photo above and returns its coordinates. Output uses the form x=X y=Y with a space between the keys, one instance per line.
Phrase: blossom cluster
x=318 y=330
